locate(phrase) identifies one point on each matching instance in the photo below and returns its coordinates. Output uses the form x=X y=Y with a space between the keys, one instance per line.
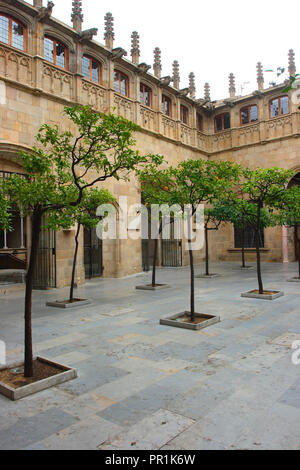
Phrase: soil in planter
x=265 y=292
x=41 y=371
x=187 y=319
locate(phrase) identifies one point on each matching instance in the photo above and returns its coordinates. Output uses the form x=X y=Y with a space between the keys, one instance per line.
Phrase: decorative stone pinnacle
x=192 y=85
x=232 y=89
x=207 y=91
x=176 y=76
x=77 y=15
x=38 y=3
x=157 y=62
x=260 y=76
x=135 y=47
x=292 y=65
x=109 y=34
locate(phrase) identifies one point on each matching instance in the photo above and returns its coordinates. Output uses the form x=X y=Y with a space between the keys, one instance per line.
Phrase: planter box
x=149 y=287
x=204 y=276
x=174 y=320
x=294 y=279
x=67 y=373
x=265 y=296
x=246 y=268
x=66 y=304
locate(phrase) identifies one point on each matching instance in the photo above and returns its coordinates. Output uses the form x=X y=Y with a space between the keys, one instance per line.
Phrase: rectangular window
x=184 y=114
x=279 y=106
x=145 y=95
x=222 y=122
x=249 y=114
x=249 y=238
x=121 y=84
x=60 y=55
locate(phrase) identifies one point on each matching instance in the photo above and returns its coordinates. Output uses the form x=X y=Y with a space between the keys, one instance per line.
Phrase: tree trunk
x=35 y=236
x=74 y=263
x=192 y=270
x=206 y=252
x=257 y=230
x=243 y=247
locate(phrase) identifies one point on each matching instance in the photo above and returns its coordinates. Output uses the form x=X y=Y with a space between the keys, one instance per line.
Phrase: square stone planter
x=204 y=276
x=66 y=374
x=175 y=320
x=294 y=279
x=151 y=288
x=266 y=296
x=66 y=304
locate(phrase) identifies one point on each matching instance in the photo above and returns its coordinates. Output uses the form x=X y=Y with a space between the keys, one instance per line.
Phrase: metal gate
x=146 y=254
x=171 y=253
x=45 y=270
x=93 y=257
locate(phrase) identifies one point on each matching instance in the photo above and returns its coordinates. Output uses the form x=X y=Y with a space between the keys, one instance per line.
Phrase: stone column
x=285 y=244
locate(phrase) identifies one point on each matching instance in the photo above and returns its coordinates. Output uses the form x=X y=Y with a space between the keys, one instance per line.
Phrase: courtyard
x=142 y=385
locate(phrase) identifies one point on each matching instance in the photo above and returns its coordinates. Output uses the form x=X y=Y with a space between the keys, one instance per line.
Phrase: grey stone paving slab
x=151 y=433
x=32 y=429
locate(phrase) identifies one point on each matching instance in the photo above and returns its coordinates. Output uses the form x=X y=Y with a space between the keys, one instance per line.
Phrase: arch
x=10 y=37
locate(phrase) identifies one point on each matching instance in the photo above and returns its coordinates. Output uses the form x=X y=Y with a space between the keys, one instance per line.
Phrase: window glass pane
x=284 y=105
x=166 y=105
x=86 y=67
x=123 y=85
x=17 y=35
x=141 y=94
x=116 y=81
x=254 y=113
x=4 y=28
x=48 y=50
x=245 y=116
x=274 y=108
x=147 y=97
x=95 y=71
x=199 y=122
x=226 y=121
x=219 y=124
x=60 y=55
x=184 y=114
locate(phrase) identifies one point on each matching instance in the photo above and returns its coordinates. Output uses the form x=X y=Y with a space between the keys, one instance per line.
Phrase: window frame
x=248 y=107
x=12 y=19
x=146 y=88
x=199 y=128
x=91 y=60
x=164 y=99
x=222 y=116
x=183 y=107
x=57 y=42
x=120 y=75
x=278 y=98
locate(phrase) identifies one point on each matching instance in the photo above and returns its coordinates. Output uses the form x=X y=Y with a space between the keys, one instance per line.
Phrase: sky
x=209 y=38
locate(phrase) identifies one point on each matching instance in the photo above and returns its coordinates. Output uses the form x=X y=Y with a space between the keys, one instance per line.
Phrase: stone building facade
x=45 y=65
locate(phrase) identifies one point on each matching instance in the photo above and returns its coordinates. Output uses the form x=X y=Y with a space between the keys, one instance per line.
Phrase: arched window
x=12 y=32
x=199 y=122
x=55 y=52
x=249 y=114
x=166 y=105
x=184 y=114
x=222 y=122
x=91 y=69
x=121 y=83
x=145 y=95
x=279 y=106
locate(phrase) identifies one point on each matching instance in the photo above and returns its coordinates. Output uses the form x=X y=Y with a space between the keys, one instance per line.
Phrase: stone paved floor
x=146 y=386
